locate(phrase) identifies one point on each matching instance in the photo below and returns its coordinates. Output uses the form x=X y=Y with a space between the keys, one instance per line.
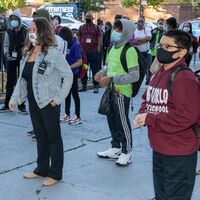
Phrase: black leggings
x=74 y=92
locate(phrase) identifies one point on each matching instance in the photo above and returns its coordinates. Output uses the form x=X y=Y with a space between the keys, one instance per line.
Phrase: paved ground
x=85 y=176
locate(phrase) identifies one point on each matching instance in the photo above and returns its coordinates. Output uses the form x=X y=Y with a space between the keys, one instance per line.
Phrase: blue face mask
x=116 y=36
x=186 y=29
x=165 y=28
x=14 y=23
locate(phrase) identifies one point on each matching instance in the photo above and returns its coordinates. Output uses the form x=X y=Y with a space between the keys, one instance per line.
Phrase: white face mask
x=55 y=22
x=32 y=38
x=186 y=29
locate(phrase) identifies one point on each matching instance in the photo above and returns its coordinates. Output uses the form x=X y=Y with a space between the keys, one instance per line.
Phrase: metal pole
x=1 y=62
x=140 y=9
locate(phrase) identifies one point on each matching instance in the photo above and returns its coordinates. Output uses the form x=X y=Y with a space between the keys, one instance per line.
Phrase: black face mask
x=140 y=26
x=88 y=20
x=165 y=57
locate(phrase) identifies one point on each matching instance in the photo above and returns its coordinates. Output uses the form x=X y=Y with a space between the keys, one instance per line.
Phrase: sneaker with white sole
x=65 y=118
x=110 y=153
x=198 y=172
x=124 y=160
x=5 y=109
x=22 y=110
x=75 y=120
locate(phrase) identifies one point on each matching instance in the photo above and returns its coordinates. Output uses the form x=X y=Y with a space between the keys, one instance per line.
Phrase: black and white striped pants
x=119 y=124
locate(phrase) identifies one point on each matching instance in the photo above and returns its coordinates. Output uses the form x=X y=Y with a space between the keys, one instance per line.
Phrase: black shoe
x=96 y=89
x=34 y=138
x=22 y=110
x=31 y=133
x=83 y=88
x=4 y=109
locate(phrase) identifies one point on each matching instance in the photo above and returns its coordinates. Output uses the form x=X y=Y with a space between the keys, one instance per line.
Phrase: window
x=66 y=21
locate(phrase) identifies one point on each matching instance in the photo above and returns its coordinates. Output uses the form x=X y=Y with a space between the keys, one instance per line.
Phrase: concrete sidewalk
x=86 y=177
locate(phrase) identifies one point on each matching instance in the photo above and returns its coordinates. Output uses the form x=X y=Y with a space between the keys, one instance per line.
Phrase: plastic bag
x=105 y=107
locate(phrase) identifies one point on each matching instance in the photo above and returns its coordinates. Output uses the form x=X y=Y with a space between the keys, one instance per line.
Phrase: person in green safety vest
x=157 y=33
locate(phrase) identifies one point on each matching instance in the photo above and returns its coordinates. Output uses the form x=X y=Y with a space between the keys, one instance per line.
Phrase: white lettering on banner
x=60 y=9
x=157 y=96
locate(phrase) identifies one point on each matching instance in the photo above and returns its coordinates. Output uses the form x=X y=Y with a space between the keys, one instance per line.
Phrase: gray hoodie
x=127 y=32
x=6 y=39
x=133 y=73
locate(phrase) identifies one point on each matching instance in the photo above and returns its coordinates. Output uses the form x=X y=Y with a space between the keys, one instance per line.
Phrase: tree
x=53 y=1
x=92 y=5
x=6 y=5
x=131 y=3
x=138 y=3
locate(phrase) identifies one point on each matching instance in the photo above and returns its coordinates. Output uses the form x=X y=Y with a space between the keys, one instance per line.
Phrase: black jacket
x=154 y=33
x=17 y=40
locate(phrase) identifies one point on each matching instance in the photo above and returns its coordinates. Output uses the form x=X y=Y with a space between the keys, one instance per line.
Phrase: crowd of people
x=44 y=65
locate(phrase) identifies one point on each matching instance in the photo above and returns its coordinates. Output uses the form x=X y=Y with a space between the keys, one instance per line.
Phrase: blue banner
x=62 y=9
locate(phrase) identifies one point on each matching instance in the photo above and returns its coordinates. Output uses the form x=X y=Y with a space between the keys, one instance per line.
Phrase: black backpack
x=172 y=76
x=142 y=66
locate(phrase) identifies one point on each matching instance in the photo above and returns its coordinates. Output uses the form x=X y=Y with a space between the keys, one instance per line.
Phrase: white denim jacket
x=54 y=84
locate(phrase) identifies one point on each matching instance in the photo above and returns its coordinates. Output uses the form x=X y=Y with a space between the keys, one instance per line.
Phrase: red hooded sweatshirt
x=170 y=116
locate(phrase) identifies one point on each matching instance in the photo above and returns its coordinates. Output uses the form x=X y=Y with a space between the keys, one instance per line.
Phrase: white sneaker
x=75 y=120
x=65 y=118
x=198 y=172
x=110 y=153
x=124 y=159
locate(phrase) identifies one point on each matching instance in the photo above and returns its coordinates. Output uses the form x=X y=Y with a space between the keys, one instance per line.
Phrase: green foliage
x=54 y=1
x=6 y=5
x=131 y=3
x=88 y=5
x=93 y=5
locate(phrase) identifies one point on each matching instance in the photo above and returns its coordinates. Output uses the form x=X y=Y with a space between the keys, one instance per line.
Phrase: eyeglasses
x=140 y=21
x=167 y=46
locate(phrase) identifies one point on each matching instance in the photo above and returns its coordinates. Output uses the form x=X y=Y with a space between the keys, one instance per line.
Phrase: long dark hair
x=66 y=34
x=45 y=35
x=190 y=25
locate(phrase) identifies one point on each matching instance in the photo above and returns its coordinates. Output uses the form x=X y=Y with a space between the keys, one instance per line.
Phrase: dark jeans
x=148 y=60
x=104 y=55
x=74 y=93
x=46 y=125
x=94 y=62
x=12 y=74
x=174 y=176
x=119 y=124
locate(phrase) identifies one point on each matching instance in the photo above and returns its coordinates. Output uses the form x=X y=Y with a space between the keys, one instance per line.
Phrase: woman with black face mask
x=169 y=110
